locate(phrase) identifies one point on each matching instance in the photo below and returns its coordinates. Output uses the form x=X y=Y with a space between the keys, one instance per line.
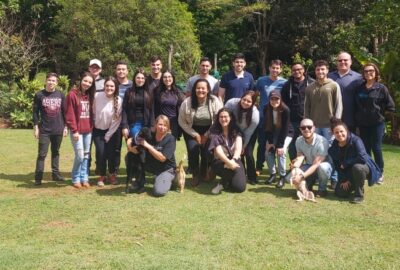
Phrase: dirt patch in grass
x=58 y=224
x=4 y=123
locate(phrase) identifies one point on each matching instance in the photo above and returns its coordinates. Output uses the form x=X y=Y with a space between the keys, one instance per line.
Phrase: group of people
x=314 y=120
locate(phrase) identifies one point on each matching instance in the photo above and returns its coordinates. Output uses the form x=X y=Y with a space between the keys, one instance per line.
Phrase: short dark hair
x=297 y=63
x=238 y=56
x=52 y=74
x=276 y=62
x=205 y=59
x=121 y=62
x=319 y=63
x=155 y=58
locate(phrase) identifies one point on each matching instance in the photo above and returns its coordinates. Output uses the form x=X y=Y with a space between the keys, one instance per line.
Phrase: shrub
x=22 y=103
x=5 y=100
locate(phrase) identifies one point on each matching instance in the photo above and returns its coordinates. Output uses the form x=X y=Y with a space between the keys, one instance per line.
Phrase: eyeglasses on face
x=306 y=127
x=369 y=71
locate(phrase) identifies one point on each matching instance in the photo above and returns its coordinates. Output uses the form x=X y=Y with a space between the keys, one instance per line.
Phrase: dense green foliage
x=127 y=30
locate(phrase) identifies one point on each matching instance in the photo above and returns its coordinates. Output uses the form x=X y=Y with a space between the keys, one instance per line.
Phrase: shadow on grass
x=277 y=192
x=28 y=180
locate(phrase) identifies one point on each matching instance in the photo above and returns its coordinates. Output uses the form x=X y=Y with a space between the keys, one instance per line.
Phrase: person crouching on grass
x=107 y=109
x=159 y=158
x=226 y=143
x=79 y=120
x=49 y=126
x=352 y=162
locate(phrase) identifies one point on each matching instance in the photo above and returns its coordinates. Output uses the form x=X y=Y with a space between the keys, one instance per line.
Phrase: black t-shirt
x=139 y=104
x=48 y=112
x=167 y=147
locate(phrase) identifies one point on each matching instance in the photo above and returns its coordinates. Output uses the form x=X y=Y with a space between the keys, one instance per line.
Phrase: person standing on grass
x=121 y=73
x=167 y=101
x=264 y=86
x=49 y=126
x=226 y=143
x=352 y=162
x=153 y=80
x=247 y=116
x=312 y=158
x=373 y=100
x=323 y=100
x=278 y=134
x=196 y=115
x=137 y=106
x=237 y=81
x=293 y=95
x=159 y=158
x=204 y=67
x=79 y=119
x=349 y=81
x=95 y=68
x=107 y=118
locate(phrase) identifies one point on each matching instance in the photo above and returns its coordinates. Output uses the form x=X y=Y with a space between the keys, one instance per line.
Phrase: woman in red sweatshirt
x=79 y=119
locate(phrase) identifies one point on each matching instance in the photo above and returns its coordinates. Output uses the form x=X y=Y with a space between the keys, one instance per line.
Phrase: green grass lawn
x=57 y=227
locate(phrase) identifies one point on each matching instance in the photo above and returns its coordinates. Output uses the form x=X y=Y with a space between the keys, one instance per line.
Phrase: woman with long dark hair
x=373 y=100
x=352 y=162
x=247 y=117
x=196 y=115
x=278 y=132
x=226 y=143
x=167 y=100
x=137 y=106
x=107 y=118
x=79 y=120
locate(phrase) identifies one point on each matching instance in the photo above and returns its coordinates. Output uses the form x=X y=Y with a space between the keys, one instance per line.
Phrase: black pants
x=234 y=180
x=105 y=151
x=249 y=157
x=44 y=141
x=118 y=146
x=196 y=151
x=359 y=173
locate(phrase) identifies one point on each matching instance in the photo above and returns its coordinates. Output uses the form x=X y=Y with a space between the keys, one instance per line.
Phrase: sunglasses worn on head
x=306 y=127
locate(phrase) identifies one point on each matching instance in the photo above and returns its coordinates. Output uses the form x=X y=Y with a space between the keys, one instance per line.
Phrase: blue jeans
x=327 y=134
x=271 y=157
x=372 y=138
x=82 y=150
x=322 y=174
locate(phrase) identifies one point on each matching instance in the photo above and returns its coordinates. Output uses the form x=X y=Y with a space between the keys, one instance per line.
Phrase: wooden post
x=215 y=62
x=170 y=52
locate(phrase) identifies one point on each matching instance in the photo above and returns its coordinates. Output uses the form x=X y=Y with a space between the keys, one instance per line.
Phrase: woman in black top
x=227 y=144
x=137 y=106
x=372 y=101
x=160 y=158
x=167 y=101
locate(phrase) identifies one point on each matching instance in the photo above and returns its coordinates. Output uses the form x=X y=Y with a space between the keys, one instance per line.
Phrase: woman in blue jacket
x=352 y=162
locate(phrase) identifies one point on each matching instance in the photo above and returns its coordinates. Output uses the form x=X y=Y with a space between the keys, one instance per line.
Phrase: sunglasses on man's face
x=306 y=127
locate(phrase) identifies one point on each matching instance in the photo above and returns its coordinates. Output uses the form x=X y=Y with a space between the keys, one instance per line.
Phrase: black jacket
x=293 y=94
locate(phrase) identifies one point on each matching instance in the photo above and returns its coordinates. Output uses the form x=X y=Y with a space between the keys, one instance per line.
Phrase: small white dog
x=302 y=192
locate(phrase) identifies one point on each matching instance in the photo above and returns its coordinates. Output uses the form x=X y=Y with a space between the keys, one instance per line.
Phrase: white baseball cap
x=95 y=62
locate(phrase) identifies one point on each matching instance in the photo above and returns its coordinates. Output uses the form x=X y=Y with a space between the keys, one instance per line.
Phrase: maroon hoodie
x=78 y=114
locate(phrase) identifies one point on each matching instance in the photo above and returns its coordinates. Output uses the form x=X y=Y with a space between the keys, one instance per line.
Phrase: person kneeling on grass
x=352 y=162
x=226 y=144
x=159 y=158
x=313 y=149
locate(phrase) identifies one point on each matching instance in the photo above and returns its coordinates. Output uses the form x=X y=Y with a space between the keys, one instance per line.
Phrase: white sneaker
x=380 y=180
x=100 y=183
x=217 y=190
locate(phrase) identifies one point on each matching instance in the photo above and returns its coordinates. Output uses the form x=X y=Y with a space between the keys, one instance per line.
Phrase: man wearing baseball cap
x=95 y=69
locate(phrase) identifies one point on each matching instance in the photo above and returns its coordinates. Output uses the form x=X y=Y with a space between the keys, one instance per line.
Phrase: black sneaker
x=57 y=177
x=357 y=200
x=38 y=182
x=271 y=179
